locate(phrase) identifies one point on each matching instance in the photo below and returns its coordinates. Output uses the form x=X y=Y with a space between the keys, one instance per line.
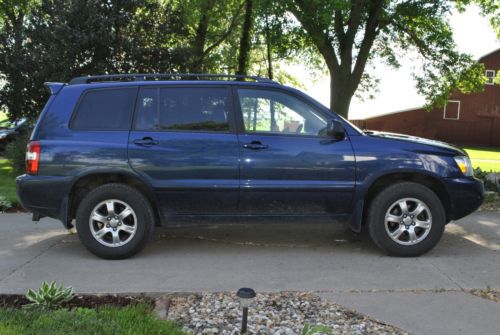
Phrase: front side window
x=183 y=108
x=278 y=113
x=106 y=109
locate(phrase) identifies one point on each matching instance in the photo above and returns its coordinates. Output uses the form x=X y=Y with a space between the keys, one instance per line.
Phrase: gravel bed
x=272 y=313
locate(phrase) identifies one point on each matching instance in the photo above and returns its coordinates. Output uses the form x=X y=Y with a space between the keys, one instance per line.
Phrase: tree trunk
x=201 y=37
x=340 y=94
x=270 y=74
x=245 y=39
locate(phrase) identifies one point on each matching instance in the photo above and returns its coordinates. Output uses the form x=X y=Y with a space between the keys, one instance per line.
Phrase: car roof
x=176 y=77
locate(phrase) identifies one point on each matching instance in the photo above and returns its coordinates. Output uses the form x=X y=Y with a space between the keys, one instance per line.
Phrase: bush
x=479 y=173
x=4 y=203
x=16 y=152
x=316 y=330
x=48 y=296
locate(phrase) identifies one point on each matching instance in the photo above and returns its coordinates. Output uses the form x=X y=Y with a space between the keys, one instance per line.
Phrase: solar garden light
x=246 y=296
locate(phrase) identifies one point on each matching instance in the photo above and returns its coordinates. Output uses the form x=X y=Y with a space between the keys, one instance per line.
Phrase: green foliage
x=55 y=40
x=48 y=296
x=16 y=153
x=7 y=182
x=490 y=197
x=132 y=320
x=350 y=35
x=4 y=203
x=316 y=330
x=478 y=173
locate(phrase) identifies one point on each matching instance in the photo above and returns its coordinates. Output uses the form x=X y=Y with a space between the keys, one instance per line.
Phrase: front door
x=184 y=143
x=288 y=165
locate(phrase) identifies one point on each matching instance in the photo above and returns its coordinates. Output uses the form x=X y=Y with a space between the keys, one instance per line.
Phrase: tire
x=410 y=236
x=121 y=232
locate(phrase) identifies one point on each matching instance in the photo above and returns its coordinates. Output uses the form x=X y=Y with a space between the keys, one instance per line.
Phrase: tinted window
x=276 y=112
x=183 y=108
x=105 y=110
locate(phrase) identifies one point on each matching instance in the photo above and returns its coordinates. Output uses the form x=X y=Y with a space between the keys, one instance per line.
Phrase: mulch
x=87 y=301
x=15 y=209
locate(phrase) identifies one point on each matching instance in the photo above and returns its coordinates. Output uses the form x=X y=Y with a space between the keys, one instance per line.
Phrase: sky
x=472 y=33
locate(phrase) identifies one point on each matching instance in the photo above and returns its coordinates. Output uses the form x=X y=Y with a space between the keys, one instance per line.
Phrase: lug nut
x=107 y=226
x=109 y=219
x=114 y=229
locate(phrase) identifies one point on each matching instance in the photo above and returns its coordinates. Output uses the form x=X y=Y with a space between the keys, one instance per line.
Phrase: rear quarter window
x=105 y=109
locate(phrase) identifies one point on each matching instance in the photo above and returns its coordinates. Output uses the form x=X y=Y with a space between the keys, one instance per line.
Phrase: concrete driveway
x=422 y=295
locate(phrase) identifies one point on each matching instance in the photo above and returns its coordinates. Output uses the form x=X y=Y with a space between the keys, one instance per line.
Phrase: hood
x=415 y=139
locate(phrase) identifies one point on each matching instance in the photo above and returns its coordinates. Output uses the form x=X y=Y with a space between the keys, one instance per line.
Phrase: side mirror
x=335 y=129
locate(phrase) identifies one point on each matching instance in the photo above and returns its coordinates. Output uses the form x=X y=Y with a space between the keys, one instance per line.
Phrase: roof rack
x=163 y=76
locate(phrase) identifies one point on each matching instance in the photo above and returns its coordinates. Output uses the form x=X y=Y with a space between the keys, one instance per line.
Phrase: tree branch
x=317 y=33
x=367 y=43
x=339 y=25
x=228 y=32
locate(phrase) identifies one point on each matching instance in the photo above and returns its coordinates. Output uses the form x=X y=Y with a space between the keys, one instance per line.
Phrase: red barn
x=472 y=119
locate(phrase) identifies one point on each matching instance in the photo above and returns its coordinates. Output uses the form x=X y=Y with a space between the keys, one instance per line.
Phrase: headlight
x=464 y=164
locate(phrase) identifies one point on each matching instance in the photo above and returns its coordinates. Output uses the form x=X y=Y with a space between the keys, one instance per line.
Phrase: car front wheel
x=406 y=219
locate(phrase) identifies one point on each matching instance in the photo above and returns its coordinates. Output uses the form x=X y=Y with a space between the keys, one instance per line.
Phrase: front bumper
x=44 y=195
x=466 y=195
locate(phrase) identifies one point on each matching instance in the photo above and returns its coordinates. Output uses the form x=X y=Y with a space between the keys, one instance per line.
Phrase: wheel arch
x=381 y=182
x=82 y=185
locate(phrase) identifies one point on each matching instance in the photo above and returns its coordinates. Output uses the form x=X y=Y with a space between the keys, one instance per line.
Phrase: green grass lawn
x=486 y=159
x=129 y=320
x=7 y=182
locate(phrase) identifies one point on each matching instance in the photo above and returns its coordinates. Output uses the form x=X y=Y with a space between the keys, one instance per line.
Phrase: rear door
x=288 y=165
x=183 y=142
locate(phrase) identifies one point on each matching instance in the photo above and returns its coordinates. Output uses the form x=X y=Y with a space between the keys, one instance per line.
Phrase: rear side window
x=183 y=108
x=108 y=109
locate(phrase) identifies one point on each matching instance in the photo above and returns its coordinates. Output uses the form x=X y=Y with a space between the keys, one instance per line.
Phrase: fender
x=363 y=188
x=146 y=187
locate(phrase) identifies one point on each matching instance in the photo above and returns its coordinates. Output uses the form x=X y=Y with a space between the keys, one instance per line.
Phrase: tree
x=13 y=14
x=350 y=34
x=213 y=22
x=246 y=31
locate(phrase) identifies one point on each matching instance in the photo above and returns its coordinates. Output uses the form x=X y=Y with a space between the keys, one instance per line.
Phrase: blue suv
x=121 y=154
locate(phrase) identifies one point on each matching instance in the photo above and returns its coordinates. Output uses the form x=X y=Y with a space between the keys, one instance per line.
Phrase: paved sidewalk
x=324 y=258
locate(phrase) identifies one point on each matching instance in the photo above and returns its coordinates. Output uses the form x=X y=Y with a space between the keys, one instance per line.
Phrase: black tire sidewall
x=127 y=194
x=386 y=198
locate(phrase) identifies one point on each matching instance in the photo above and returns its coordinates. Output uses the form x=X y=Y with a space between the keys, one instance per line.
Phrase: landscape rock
x=271 y=313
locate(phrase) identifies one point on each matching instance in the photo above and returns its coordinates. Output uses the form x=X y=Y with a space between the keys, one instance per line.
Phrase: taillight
x=32 y=157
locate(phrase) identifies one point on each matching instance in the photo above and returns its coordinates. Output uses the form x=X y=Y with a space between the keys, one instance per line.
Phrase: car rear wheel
x=114 y=221
x=406 y=219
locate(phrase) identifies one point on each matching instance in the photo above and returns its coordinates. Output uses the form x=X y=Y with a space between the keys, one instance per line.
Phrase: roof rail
x=163 y=76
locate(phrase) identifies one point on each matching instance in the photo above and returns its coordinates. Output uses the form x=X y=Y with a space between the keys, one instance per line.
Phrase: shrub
x=479 y=173
x=48 y=296
x=316 y=330
x=4 y=203
x=490 y=197
x=16 y=152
